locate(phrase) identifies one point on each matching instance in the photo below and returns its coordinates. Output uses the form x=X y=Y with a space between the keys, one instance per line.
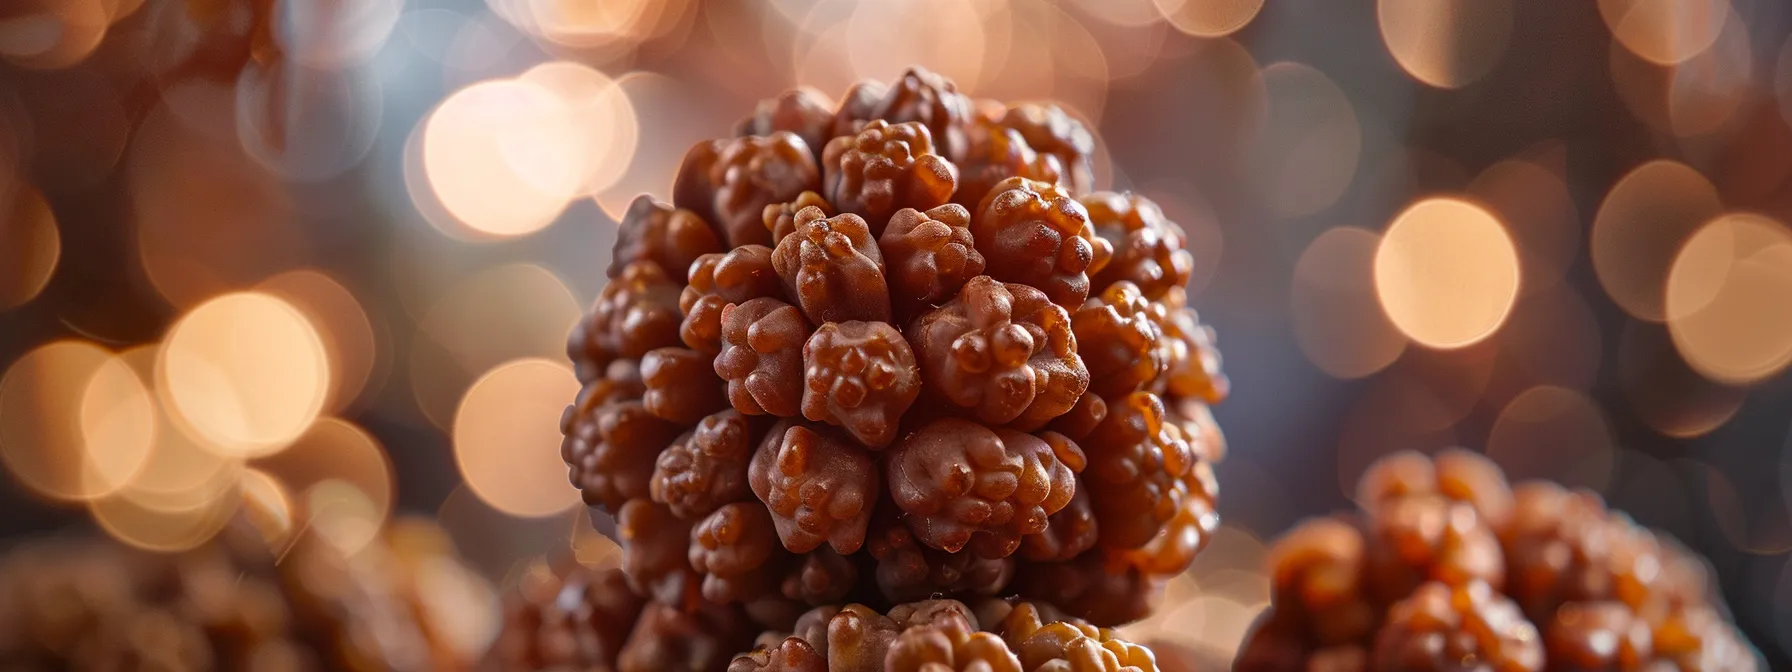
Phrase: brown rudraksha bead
x=1191 y=362
x=762 y=356
x=729 y=182
x=1559 y=545
x=1048 y=130
x=682 y=386
x=636 y=312
x=1082 y=418
x=1070 y=531
x=1454 y=628
x=667 y=638
x=860 y=376
x=1316 y=582
x=1117 y=340
x=1148 y=249
x=793 y=654
x=1090 y=588
x=1699 y=639
x=820 y=577
x=832 y=267
x=1003 y=351
x=1036 y=234
x=1195 y=418
x=857 y=639
x=932 y=100
x=908 y=570
x=929 y=256
x=858 y=106
x=964 y=484
x=780 y=218
x=611 y=448
x=734 y=549
x=1597 y=636
x=707 y=467
x=933 y=649
x=1140 y=472
x=1421 y=538
x=743 y=274
x=996 y=154
x=578 y=620
x=803 y=111
x=819 y=488
x=1047 y=642
x=654 y=544
x=1173 y=550
x=1454 y=473
x=669 y=237
x=884 y=168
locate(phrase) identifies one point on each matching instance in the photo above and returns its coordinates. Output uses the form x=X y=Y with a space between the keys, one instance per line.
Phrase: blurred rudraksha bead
x=1048 y=130
x=1198 y=426
x=780 y=218
x=1559 y=547
x=1117 y=341
x=1316 y=582
x=820 y=577
x=1454 y=473
x=932 y=100
x=858 y=106
x=908 y=570
x=1597 y=636
x=1427 y=537
x=832 y=267
x=654 y=545
x=734 y=549
x=857 y=639
x=1068 y=533
x=793 y=654
x=996 y=154
x=1140 y=470
x=886 y=167
x=681 y=385
x=730 y=182
x=1103 y=593
x=636 y=312
x=803 y=111
x=657 y=232
x=929 y=256
x=611 y=449
x=762 y=356
x=578 y=621
x=1699 y=639
x=707 y=467
x=1191 y=362
x=860 y=376
x=1082 y=418
x=1036 y=234
x=1003 y=351
x=819 y=488
x=962 y=483
x=666 y=638
x=1467 y=627
x=1148 y=249
x=742 y=274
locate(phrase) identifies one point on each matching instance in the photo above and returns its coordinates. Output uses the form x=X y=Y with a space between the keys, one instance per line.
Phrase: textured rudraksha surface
x=1446 y=567
x=890 y=348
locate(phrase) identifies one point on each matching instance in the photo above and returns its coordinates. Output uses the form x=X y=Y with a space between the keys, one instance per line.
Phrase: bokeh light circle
x=1729 y=299
x=507 y=437
x=502 y=156
x=340 y=481
x=1554 y=433
x=341 y=322
x=75 y=421
x=1445 y=43
x=246 y=373
x=29 y=244
x=1446 y=273
x=1209 y=18
x=607 y=129
x=1307 y=153
x=1665 y=31
x=1641 y=226
x=1337 y=320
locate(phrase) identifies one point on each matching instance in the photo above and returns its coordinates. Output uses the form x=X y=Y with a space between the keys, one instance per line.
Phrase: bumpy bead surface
x=1467 y=627
x=1048 y=130
x=860 y=376
x=733 y=549
x=819 y=488
x=762 y=356
x=666 y=638
x=654 y=544
x=636 y=312
x=886 y=167
x=932 y=100
x=1003 y=351
x=802 y=111
x=707 y=467
x=729 y=182
x=1148 y=249
x=961 y=483
x=780 y=218
x=1036 y=234
x=1139 y=471
x=1090 y=588
x=611 y=449
x=996 y=154
x=833 y=268
x=1191 y=361
x=1117 y=340
x=742 y=274
x=682 y=386
x=1069 y=532
x=656 y=232
x=908 y=570
x=929 y=256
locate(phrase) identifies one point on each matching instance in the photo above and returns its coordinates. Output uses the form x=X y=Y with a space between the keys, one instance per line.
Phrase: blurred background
x=324 y=254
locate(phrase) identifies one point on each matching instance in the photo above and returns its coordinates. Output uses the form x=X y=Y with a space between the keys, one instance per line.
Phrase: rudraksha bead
x=1597 y=636
x=1140 y=471
x=707 y=467
x=908 y=570
x=1048 y=130
x=666 y=638
x=1071 y=531
x=1036 y=234
x=793 y=654
x=1191 y=362
x=762 y=356
x=819 y=488
x=636 y=312
x=1117 y=340
x=656 y=232
x=780 y=218
x=820 y=577
x=803 y=111
x=729 y=182
x=860 y=376
x=1002 y=351
x=577 y=618
x=929 y=256
x=932 y=100
x=886 y=167
x=961 y=483
x=858 y=106
x=682 y=386
x=996 y=154
x=734 y=549
x=654 y=544
x=1454 y=628
x=740 y=275
x=611 y=449
x=1090 y=588
x=832 y=266
x=1148 y=249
